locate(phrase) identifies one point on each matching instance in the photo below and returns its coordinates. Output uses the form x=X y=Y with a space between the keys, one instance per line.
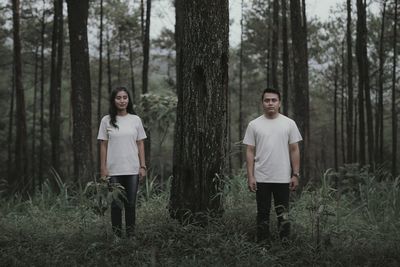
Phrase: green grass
x=356 y=228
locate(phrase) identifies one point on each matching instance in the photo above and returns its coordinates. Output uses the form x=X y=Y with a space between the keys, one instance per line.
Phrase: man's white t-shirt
x=122 y=150
x=271 y=138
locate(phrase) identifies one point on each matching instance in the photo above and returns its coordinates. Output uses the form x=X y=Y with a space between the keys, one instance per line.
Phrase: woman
x=122 y=157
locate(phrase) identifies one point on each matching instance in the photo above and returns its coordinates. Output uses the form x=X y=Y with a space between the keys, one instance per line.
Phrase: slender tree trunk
x=335 y=131
x=55 y=84
x=285 y=61
x=202 y=43
x=394 y=111
x=275 y=42
x=240 y=123
x=146 y=49
x=10 y=165
x=81 y=91
x=379 y=117
x=35 y=90
x=301 y=93
x=100 y=81
x=368 y=103
x=145 y=77
x=132 y=71
x=119 y=54
x=42 y=144
x=109 y=85
x=361 y=78
x=350 y=101
x=21 y=159
x=342 y=105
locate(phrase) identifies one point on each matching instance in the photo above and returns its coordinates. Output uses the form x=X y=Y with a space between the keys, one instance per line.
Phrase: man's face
x=271 y=104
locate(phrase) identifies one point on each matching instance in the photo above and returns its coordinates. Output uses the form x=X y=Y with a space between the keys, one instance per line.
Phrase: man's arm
x=295 y=161
x=250 y=154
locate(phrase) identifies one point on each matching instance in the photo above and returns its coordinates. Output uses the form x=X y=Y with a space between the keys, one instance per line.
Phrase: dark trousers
x=280 y=192
x=130 y=183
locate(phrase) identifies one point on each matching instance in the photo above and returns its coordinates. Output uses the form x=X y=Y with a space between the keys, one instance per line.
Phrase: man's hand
x=294 y=183
x=252 y=184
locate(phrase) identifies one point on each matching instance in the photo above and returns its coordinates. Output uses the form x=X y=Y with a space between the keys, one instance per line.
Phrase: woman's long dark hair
x=113 y=111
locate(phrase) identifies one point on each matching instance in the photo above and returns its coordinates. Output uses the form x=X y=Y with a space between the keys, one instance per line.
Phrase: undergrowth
x=349 y=218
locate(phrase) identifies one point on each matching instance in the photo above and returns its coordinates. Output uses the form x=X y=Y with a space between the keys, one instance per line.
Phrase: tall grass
x=332 y=224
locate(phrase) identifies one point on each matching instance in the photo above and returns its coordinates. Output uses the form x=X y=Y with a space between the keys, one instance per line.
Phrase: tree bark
x=240 y=122
x=274 y=44
x=55 y=84
x=100 y=78
x=394 y=111
x=202 y=42
x=81 y=91
x=335 y=122
x=350 y=101
x=301 y=92
x=361 y=78
x=379 y=118
x=285 y=60
x=41 y=119
x=21 y=159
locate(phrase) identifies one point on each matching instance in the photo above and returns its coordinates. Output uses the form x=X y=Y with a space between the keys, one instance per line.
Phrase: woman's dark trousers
x=130 y=183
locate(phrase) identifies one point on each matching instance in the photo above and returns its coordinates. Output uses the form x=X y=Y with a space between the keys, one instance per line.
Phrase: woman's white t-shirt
x=122 y=150
x=271 y=138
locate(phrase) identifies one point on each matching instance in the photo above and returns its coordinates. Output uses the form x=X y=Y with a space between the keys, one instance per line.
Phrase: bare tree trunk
x=81 y=91
x=55 y=84
x=240 y=123
x=119 y=54
x=285 y=61
x=350 y=101
x=132 y=71
x=42 y=144
x=35 y=85
x=275 y=42
x=21 y=159
x=10 y=165
x=100 y=81
x=342 y=105
x=335 y=133
x=361 y=78
x=301 y=93
x=394 y=111
x=379 y=117
x=145 y=76
x=202 y=43
x=109 y=85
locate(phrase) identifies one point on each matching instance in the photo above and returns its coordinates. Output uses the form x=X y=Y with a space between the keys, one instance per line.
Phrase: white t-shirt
x=271 y=138
x=122 y=150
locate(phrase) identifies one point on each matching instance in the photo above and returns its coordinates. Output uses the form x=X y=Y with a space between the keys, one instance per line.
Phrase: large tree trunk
x=301 y=92
x=81 y=91
x=394 y=111
x=21 y=157
x=285 y=60
x=350 y=101
x=55 y=84
x=202 y=42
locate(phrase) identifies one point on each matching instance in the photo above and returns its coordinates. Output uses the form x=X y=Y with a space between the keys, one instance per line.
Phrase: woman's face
x=121 y=100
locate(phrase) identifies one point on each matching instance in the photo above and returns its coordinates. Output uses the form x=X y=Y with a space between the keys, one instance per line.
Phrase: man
x=273 y=163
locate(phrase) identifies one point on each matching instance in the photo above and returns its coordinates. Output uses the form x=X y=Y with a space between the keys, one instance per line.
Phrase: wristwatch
x=296 y=174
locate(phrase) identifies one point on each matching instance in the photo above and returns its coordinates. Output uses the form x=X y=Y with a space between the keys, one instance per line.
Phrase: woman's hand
x=142 y=173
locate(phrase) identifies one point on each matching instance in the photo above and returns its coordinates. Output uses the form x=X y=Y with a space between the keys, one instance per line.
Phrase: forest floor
x=359 y=227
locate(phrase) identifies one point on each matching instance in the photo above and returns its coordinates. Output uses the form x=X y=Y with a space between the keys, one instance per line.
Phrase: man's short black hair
x=272 y=91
